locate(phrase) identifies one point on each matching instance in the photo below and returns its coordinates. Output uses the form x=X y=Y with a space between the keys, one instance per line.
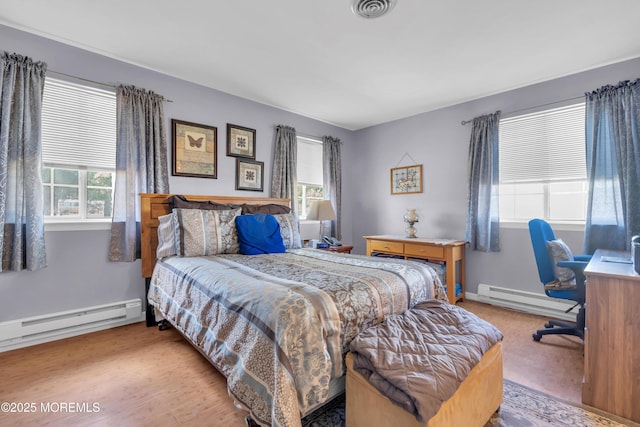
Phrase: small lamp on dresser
x=411 y=217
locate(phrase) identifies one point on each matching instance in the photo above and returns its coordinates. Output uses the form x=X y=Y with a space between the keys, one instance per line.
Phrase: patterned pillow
x=166 y=236
x=290 y=230
x=559 y=251
x=206 y=232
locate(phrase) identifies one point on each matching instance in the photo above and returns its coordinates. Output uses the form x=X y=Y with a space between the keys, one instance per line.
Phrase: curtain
x=21 y=195
x=483 y=220
x=613 y=155
x=141 y=165
x=284 y=173
x=332 y=180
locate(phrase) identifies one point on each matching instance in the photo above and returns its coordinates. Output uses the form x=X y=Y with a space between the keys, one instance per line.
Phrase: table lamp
x=321 y=210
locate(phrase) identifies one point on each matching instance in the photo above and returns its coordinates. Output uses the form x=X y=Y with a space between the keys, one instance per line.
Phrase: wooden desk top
x=598 y=267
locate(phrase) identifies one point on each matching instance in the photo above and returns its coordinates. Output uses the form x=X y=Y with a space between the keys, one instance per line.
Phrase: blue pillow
x=259 y=234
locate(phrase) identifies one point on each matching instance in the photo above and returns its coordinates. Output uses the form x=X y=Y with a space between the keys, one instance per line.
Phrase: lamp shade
x=321 y=210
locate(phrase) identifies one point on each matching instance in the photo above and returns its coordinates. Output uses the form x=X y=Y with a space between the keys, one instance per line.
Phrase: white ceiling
x=314 y=57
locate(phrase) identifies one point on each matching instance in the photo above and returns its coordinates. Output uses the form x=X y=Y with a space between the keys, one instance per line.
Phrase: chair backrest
x=541 y=232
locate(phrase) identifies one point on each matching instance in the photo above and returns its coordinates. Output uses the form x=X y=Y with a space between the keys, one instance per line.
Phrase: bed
x=277 y=325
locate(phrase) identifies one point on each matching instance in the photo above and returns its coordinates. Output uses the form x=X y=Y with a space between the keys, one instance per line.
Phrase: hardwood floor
x=554 y=365
x=138 y=376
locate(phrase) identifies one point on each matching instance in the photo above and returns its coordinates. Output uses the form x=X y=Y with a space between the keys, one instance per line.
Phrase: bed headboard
x=154 y=205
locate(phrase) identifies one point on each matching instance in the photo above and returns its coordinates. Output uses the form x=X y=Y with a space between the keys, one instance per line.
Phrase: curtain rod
x=314 y=139
x=92 y=81
x=304 y=135
x=464 y=122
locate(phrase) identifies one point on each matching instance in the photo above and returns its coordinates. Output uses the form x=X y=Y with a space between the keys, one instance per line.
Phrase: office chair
x=541 y=233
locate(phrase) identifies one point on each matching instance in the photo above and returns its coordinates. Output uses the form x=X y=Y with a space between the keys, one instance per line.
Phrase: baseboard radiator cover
x=529 y=302
x=50 y=327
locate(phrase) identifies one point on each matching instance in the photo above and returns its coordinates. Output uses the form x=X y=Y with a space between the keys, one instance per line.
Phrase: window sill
x=77 y=225
x=564 y=226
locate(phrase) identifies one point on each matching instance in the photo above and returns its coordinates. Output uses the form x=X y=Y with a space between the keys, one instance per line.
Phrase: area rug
x=521 y=407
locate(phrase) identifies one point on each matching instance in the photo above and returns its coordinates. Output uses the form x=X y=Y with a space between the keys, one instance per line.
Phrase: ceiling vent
x=372 y=8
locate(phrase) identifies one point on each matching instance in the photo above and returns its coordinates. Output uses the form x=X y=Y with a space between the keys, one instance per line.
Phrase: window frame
x=547 y=194
x=82 y=221
x=301 y=201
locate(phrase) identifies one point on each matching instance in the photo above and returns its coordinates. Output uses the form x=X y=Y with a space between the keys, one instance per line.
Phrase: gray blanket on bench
x=418 y=359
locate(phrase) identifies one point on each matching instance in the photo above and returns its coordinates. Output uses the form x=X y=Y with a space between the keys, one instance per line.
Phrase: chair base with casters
x=542 y=233
x=556 y=327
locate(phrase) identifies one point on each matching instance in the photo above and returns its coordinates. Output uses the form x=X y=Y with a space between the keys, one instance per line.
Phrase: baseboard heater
x=39 y=329
x=528 y=302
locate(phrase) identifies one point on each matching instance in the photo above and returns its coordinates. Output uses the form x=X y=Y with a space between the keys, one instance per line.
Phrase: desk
x=612 y=337
x=447 y=250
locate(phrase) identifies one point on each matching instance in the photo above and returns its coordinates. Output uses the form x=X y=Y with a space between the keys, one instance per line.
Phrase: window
x=543 y=166
x=78 y=151
x=309 y=171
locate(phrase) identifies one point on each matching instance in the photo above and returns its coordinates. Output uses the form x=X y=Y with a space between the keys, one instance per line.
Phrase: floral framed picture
x=406 y=180
x=249 y=175
x=241 y=141
x=195 y=148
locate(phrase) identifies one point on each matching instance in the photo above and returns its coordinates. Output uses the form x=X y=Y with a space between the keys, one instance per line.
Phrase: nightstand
x=344 y=249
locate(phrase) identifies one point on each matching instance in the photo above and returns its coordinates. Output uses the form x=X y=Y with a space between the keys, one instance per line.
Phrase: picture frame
x=406 y=179
x=195 y=148
x=241 y=141
x=249 y=175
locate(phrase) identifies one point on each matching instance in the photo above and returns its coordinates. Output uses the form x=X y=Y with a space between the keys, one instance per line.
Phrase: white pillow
x=166 y=236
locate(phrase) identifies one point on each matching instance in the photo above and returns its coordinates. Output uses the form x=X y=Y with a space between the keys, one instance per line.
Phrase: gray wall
x=78 y=273
x=439 y=142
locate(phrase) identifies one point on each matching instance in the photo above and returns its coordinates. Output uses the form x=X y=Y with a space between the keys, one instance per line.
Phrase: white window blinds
x=309 y=167
x=547 y=146
x=78 y=125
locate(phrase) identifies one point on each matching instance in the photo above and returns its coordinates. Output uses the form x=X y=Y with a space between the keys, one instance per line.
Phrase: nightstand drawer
x=384 y=246
x=424 y=251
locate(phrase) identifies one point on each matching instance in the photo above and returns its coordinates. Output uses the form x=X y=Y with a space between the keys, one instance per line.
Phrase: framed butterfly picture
x=241 y=141
x=195 y=149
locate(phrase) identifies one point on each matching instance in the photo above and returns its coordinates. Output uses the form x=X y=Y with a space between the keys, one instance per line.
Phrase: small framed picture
x=406 y=180
x=241 y=141
x=194 y=149
x=249 y=175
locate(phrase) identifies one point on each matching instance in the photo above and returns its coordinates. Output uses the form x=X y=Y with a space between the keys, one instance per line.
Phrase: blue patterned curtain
x=21 y=195
x=613 y=158
x=483 y=218
x=332 y=179
x=141 y=166
x=284 y=176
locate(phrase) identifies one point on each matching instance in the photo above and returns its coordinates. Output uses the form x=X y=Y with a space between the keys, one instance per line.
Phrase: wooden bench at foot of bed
x=477 y=398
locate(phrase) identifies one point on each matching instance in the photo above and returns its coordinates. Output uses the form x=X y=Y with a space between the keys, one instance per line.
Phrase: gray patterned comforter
x=278 y=325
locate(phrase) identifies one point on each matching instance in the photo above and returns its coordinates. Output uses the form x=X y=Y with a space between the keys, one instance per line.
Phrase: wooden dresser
x=449 y=251
x=612 y=337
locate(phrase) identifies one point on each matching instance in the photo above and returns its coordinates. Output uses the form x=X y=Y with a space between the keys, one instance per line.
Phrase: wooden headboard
x=154 y=205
